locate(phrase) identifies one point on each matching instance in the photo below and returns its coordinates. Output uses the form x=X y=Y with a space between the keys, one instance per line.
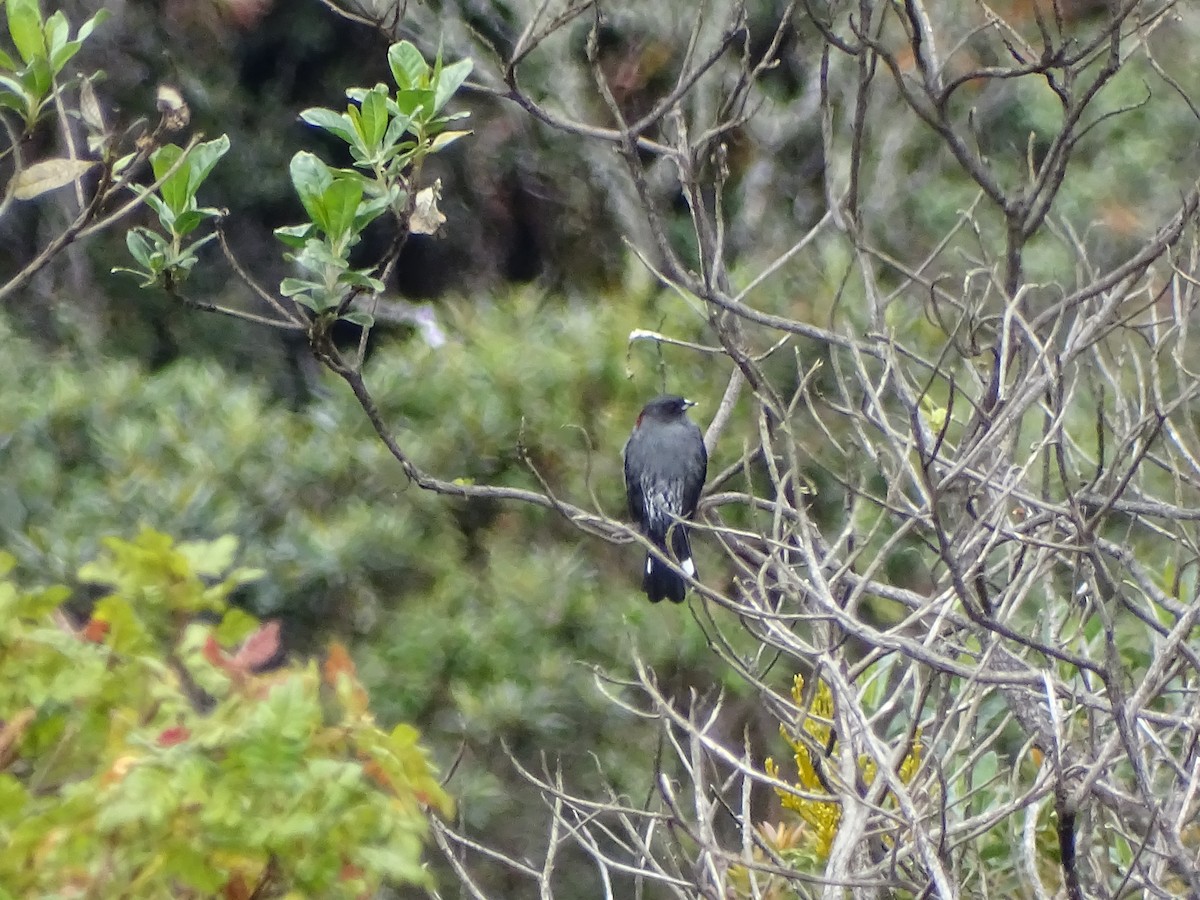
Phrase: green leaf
x=86 y=29
x=396 y=129
x=197 y=870
x=408 y=66
x=244 y=575
x=179 y=191
x=400 y=861
x=449 y=81
x=320 y=301
x=413 y=101
x=6 y=62
x=57 y=32
x=294 y=287
x=365 y=319
x=186 y=260
x=445 y=139
x=13 y=796
x=38 y=77
x=341 y=201
x=236 y=625
x=328 y=120
x=295 y=235
x=360 y=279
x=46 y=176
x=39 y=604
x=139 y=247
x=311 y=178
x=307 y=301
x=126 y=632
x=145 y=279
x=25 y=28
x=202 y=159
x=369 y=210
x=446 y=118
x=209 y=557
x=161 y=209
x=319 y=255
x=13 y=102
x=60 y=56
x=373 y=121
x=174 y=190
x=187 y=222
x=59 y=45
x=123 y=163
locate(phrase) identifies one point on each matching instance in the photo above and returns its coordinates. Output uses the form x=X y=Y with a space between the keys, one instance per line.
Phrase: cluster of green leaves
x=147 y=753
x=166 y=258
x=388 y=135
x=44 y=46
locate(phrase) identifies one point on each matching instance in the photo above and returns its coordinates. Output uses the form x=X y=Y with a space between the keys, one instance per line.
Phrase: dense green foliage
x=147 y=752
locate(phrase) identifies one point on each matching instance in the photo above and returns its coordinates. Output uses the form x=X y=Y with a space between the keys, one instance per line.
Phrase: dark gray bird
x=665 y=467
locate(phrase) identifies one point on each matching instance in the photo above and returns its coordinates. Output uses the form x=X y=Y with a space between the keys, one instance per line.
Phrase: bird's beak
x=688 y=404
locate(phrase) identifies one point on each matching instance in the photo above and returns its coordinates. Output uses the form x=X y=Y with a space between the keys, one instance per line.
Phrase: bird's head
x=668 y=408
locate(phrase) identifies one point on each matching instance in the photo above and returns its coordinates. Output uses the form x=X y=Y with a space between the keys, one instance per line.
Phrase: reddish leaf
x=95 y=631
x=237 y=889
x=338 y=662
x=259 y=649
x=351 y=872
x=172 y=736
x=340 y=674
x=215 y=655
x=375 y=772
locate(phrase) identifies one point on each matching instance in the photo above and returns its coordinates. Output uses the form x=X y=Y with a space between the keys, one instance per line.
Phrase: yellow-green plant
x=821 y=817
x=158 y=747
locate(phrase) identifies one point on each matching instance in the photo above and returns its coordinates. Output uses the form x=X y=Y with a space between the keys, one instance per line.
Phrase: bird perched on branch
x=665 y=466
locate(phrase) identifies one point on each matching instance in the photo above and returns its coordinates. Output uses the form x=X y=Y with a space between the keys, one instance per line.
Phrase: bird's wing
x=696 y=485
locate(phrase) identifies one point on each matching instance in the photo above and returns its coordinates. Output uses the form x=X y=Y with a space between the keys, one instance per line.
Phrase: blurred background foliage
x=483 y=623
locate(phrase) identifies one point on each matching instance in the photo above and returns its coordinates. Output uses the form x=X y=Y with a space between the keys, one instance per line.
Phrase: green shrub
x=148 y=752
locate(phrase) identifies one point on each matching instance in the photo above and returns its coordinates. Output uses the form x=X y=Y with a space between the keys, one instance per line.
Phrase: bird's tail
x=660 y=581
